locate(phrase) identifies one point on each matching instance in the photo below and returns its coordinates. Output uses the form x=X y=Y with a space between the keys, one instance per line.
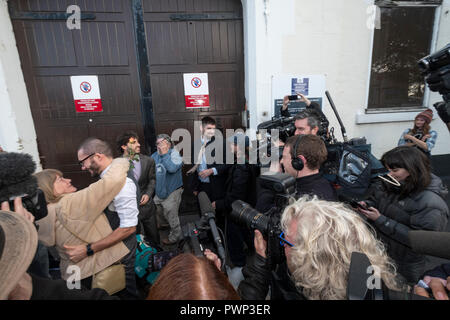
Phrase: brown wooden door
x=50 y=53
x=195 y=36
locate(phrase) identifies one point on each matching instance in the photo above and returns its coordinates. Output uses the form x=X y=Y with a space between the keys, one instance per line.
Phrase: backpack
x=143 y=263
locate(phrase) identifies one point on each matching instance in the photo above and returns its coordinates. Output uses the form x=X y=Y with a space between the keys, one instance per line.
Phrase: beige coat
x=81 y=214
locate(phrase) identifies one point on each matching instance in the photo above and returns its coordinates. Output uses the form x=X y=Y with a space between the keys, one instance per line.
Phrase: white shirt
x=125 y=203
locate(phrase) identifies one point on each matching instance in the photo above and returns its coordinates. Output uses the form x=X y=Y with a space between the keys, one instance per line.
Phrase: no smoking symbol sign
x=196 y=82
x=85 y=87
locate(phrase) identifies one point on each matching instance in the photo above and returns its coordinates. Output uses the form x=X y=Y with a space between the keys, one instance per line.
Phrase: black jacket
x=425 y=210
x=442 y=271
x=309 y=185
x=240 y=185
x=147 y=180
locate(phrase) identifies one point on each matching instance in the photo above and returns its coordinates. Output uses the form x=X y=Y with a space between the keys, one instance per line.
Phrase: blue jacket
x=168 y=173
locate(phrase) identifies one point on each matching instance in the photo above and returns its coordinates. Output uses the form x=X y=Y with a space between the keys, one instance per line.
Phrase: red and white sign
x=196 y=91
x=86 y=93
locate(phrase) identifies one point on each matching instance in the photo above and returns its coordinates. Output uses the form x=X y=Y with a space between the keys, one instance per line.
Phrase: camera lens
x=243 y=213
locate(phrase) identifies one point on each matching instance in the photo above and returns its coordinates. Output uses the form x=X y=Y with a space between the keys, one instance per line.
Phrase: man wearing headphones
x=302 y=157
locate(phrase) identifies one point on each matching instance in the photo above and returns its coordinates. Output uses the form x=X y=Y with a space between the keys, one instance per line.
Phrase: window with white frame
x=404 y=37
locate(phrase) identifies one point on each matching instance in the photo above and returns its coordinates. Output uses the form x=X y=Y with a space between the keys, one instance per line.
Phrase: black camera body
x=284 y=125
x=269 y=223
x=436 y=69
x=35 y=204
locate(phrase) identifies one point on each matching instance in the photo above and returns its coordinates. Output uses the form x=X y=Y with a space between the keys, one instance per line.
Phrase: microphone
x=17 y=180
x=16 y=177
x=431 y=243
x=360 y=278
x=209 y=214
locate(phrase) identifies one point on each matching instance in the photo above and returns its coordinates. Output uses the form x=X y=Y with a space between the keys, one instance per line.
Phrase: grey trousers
x=170 y=207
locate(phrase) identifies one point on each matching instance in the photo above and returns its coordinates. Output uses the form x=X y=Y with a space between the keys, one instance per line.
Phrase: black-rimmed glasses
x=82 y=161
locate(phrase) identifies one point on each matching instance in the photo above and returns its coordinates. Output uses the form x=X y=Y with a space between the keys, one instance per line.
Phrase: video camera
x=436 y=69
x=197 y=234
x=283 y=187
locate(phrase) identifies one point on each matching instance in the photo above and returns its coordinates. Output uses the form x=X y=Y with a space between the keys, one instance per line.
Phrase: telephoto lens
x=243 y=213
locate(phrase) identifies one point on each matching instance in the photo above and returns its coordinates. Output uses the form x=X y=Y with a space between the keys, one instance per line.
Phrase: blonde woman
x=319 y=238
x=76 y=218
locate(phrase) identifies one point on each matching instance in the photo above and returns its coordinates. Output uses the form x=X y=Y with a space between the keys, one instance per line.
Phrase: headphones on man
x=296 y=162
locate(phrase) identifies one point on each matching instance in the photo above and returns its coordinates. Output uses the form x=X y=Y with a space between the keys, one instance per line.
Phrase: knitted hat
x=427 y=115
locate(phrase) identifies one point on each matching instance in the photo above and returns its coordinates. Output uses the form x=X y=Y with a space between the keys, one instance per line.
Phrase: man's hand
x=213 y=205
x=145 y=198
x=437 y=286
x=18 y=208
x=76 y=253
x=260 y=244
x=213 y=257
x=304 y=99
x=371 y=213
x=206 y=173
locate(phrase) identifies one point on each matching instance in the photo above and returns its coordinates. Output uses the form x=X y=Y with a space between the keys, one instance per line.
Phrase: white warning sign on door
x=196 y=90
x=86 y=93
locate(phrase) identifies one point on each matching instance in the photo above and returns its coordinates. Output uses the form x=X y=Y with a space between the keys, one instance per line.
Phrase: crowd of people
x=93 y=230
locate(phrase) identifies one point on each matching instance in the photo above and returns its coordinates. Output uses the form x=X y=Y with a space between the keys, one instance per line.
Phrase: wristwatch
x=89 y=250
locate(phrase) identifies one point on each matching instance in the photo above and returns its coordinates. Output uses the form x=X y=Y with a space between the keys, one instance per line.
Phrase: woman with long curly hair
x=319 y=238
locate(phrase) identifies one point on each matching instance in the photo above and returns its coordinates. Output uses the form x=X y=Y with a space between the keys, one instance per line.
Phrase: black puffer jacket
x=425 y=210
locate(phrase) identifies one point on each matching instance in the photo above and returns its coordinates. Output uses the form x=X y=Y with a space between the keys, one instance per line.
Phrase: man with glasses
x=169 y=185
x=95 y=156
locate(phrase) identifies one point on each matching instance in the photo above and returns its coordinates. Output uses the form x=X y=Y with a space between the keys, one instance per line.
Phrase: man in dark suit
x=142 y=172
x=209 y=176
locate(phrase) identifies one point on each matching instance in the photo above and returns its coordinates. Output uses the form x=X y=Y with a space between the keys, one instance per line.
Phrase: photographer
x=240 y=185
x=416 y=203
x=443 y=110
x=309 y=120
x=318 y=239
x=18 y=245
x=302 y=157
x=436 y=70
x=421 y=135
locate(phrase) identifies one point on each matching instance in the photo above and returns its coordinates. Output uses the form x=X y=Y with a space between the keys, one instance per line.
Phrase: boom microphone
x=208 y=213
x=431 y=243
x=17 y=180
